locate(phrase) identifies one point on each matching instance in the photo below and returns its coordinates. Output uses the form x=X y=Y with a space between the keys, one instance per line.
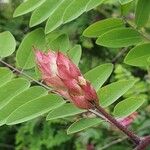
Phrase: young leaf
x=56 y=19
x=22 y=98
x=7 y=44
x=34 y=108
x=25 y=56
x=5 y=75
x=111 y=92
x=27 y=6
x=74 y=10
x=92 y=4
x=99 y=75
x=63 y=111
x=139 y=55
x=100 y=27
x=128 y=106
x=11 y=89
x=83 y=124
x=120 y=37
x=142 y=12
x=61 y=43
x=44 y=11
x=75 y=54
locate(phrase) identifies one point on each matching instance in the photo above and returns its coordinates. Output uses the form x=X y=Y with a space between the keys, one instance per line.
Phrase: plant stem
x=113 y=121
x=26 y=75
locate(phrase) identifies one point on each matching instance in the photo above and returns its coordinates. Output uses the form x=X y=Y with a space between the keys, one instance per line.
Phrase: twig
x=114 y=142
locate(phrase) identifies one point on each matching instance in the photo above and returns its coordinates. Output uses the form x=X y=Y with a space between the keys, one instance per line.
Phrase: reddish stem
x=113 y=121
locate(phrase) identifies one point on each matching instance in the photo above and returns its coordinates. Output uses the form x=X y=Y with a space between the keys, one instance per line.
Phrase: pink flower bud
x=128 y=120
x=59 y=72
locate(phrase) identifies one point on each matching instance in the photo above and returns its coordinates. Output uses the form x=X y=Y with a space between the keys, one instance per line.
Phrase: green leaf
x=142 y=12
x=63 y=111
x=75 y=54
x=100 y=27
x=11 y=89
x=22 y=98
x=139 y=55
x=111 y=92
x=7 y=44
x=61 y=43
x=123 y=2
x=5 y=75
x=92 y=4
x=56 y=19
x=121 y=37
x=128 y=106
x=82 y=124
x=44 y=11
x=27 y=6
x=99 y=75
x=74 y=10
x=34 y=108
x=25 y=56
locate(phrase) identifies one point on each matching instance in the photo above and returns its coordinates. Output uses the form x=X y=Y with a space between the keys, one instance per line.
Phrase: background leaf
x=7 y=44
x=100 y=27
x=25 y=56
x=56 y=19
x=27 y=6
x=121 y=37
x=34 y=108
x=61 y=43
x=74 y=10
x=92 y=4
x=44 y=11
